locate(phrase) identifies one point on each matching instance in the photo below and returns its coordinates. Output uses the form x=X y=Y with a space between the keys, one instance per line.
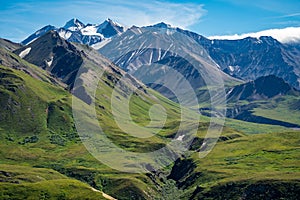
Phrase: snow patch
x=170 y=32
x=159 y=53
x=218 y=66
x=235 y=68
x=101 y=44
x=116 y=23
x=49 y=63
x=137 y=31
x=91 y=30
x=132 y=54
x=258 y=41
x=73 y=28
x=229 y=92
x=151 y=56
x=32 y=40
x=180 y=137
x=25 y=52
x=65 y=34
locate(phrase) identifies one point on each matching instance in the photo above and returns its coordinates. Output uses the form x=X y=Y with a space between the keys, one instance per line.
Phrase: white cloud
x=285 y=35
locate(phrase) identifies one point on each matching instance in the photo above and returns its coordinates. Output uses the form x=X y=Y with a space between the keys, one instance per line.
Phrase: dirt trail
x=106 y=196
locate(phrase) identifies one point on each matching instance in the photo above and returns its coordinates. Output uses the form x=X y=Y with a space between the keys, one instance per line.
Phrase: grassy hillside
x=240 y=162
x=41 y=154
x=37 y=130
x=283 y=109
x=24 y=102
x=23 y=182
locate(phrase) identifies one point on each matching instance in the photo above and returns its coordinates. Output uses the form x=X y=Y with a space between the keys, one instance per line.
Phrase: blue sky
x=19 y=19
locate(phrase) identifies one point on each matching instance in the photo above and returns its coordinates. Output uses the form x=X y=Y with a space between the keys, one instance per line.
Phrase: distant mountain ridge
x=246 y=59
x=76 y=31
x=262 y=88
x=154 y=55
x=251 y=58
x=266 y=92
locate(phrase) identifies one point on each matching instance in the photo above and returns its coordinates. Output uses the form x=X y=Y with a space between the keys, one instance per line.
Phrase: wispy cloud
x=286 y=35
x=289 y=15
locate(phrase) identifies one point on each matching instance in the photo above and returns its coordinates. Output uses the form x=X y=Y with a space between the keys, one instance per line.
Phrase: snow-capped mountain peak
x=110 y=28
x=74 y=25
x=76 y=31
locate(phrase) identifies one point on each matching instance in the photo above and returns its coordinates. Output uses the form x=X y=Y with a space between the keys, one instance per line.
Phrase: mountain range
x=245 y=59
x=44 y=154
x=76 y=31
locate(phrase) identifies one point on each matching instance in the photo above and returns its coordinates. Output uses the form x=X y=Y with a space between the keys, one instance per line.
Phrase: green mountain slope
x=37 y=130
x=267 y=100
x=23 y=182
x=24 y=102
x=267 y=163
x=57 y=150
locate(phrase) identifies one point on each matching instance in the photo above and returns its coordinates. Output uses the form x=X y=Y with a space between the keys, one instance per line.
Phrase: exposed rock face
x=55 y=55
